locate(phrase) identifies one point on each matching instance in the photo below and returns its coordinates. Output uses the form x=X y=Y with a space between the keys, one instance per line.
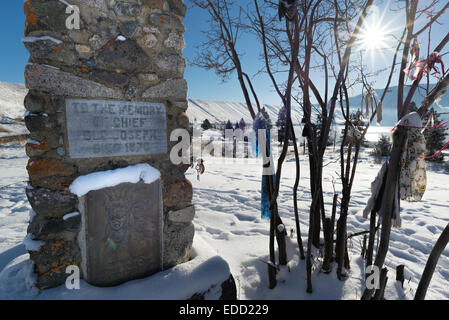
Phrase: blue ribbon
x=259 y=122
x=265 y=202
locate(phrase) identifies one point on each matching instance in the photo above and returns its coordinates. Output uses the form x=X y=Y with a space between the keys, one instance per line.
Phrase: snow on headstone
x=122 y=220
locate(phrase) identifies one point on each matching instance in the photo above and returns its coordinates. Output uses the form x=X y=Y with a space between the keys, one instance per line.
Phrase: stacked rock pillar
x=128 y=50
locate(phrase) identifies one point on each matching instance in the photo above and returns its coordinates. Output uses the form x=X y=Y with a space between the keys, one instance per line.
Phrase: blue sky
x=13 y=54
x=202 y=84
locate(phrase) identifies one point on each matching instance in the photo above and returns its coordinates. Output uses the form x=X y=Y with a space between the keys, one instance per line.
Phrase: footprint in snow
x=408 y=231
x=432 y=229
x=244 y=217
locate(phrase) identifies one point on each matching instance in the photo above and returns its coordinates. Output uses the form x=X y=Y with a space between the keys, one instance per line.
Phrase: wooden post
x=400 y=274
x=335 y=139
x=339 y=246
x=309 y=248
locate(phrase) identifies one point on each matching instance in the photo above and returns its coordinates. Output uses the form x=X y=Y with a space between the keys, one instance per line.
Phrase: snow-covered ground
x=11 y=100
x=12 y=109
x=204 y=273
x=227 y=200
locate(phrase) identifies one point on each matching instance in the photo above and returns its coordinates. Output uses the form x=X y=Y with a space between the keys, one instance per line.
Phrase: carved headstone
x=122 y=233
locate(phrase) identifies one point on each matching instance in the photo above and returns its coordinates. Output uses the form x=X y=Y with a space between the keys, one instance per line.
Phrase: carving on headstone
x=101 y=128
x=123 y=232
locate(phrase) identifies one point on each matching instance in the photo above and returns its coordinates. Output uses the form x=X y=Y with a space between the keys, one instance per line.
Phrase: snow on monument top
x=111 y=178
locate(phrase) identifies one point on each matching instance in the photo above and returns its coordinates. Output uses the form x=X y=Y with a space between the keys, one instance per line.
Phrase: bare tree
x=312 y=19
x=349 y=156
x=292 y=29
x=313 y=35
x=400 y=134
x=317 y=145
x=225 y=59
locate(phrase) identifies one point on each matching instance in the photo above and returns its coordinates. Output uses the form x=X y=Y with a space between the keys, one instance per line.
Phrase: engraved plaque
x=107 y=128
x=122 y=231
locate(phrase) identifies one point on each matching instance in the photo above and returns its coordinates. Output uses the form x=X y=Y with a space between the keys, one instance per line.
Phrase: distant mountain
x=218 y=111
x=12 y=95
x=11 y=100
x=390 y=102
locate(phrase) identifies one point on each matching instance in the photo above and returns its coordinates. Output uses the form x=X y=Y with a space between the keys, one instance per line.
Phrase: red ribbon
x=445 y=146
x=423 y=67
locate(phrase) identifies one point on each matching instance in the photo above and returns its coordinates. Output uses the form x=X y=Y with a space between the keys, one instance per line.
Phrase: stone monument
x=106 y=88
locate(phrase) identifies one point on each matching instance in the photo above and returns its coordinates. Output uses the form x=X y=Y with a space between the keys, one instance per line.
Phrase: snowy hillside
x=220 y=111
x=12 y=95
x=11 y=100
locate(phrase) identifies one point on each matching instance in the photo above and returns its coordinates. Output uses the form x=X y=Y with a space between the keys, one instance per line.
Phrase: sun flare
x=376 y=34
x=373 y=38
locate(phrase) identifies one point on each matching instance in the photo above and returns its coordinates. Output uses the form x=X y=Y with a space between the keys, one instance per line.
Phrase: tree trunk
x=315 y=190
x=431 y=264
x=309 y=247
x=271 y=268
x=372 y=236
x=346 y=259
x=295 y=194
x=341 y=238
x=280 y=238
x=399 y=138
x=329 y=245
x=334 y=212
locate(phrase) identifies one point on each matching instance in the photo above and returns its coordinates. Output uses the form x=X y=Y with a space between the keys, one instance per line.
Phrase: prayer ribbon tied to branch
x=425 y=128
x=422 y=67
